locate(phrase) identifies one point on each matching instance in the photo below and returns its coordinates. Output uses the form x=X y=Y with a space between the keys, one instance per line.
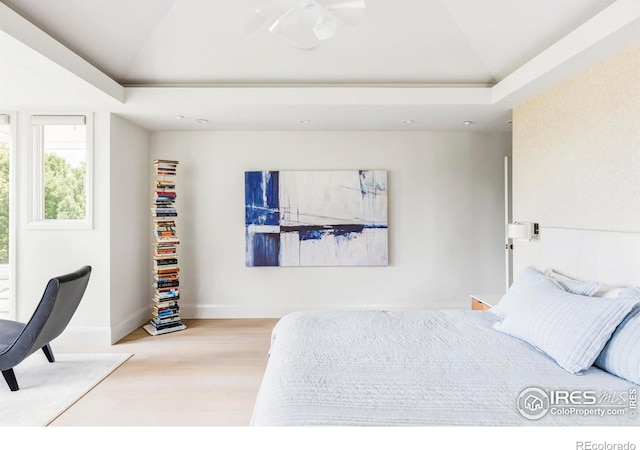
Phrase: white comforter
x=384 y=368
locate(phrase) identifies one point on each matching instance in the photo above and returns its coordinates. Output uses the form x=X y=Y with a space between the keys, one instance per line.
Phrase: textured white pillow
x=529 y=281
x=574 y=286
x=572 y=329
x=621 y=355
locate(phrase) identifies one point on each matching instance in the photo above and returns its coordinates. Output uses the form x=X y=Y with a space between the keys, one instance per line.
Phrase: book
x=167 y=326
x=166 y=280
x=153 y=331
x=165 y=184
x=169 y=303
x=164 y=284
x=158 y=322
x=162 y=261
x=159 y=298
x=169 y=290
x=168 y=312
x=165 y=171
x=169 y=277
x=167 y=270
x=167 y=240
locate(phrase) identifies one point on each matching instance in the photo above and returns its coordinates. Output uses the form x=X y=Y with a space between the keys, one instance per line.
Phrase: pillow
x=621 y=355
x=574 y=286
x=529 y=281
x=572 y=329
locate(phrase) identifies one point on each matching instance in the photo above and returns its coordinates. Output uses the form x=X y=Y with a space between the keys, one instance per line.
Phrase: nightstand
x=484 y=301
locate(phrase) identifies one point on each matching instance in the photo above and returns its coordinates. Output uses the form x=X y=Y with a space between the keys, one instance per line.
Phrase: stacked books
x=166 y=273
x=165 y=166
x=164 y=190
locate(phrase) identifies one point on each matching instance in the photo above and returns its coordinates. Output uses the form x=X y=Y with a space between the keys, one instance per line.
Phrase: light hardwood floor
x=206 y=375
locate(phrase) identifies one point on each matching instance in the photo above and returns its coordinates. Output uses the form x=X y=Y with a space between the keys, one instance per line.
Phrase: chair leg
x=10 y=378
x=49 y=354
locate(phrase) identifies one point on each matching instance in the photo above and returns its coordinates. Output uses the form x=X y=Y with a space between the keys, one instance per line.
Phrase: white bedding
x=414 y=368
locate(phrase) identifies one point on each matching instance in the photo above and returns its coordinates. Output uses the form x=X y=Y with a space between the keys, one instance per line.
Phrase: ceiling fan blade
x=343 y=3
x=297 y=27
x=265 y=13
x=326 y=28
x=258 y=18
x=305 y=22
x=347 y=11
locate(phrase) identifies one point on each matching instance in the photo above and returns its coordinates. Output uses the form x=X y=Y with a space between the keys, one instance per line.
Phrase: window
x=62 y=163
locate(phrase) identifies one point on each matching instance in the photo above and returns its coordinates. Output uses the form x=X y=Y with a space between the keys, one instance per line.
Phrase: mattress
x=423 y=368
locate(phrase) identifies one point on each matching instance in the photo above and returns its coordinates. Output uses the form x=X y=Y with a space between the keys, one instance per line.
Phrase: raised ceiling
x=435 y=62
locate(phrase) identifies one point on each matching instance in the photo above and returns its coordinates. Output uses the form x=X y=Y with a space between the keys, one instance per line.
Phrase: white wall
x=130 y=261
x=576 y=154
x=446 y=213
x=43 y=254
x=117 y=248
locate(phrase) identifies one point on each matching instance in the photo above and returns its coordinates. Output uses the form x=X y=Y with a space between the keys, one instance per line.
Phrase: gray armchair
x=52 y=315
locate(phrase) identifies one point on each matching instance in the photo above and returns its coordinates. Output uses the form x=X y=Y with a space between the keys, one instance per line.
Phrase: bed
x=552 y=353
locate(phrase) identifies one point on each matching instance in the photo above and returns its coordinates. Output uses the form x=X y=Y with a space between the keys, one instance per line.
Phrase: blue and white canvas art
x=316 y=218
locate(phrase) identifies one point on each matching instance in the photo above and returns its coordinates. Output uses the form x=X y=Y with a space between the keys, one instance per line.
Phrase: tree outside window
x=64 y=193
x=62 y=184
x=4 y=203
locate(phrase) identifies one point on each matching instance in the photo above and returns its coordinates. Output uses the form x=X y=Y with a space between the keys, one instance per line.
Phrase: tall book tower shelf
x=166 y=280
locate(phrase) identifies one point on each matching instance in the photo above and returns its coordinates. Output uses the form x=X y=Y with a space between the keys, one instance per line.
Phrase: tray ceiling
x=412 y=44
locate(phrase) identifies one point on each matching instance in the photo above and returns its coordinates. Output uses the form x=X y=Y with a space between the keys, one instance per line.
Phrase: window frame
x=36 y=220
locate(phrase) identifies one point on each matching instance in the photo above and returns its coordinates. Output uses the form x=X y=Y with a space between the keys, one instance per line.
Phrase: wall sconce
x=522 y=231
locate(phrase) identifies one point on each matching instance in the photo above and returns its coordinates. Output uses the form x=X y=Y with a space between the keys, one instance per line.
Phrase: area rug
x=48 y=389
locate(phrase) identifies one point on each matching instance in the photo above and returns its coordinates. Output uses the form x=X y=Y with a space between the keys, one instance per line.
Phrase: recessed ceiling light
x=304 y=121
x=408 y=121
x=202 y=121
x=467 y=122
x=179 y=117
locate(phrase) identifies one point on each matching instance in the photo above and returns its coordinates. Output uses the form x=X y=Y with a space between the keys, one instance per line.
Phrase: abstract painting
x=316 y=218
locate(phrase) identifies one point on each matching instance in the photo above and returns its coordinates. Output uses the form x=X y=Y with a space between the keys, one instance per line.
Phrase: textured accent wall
x=576 y=153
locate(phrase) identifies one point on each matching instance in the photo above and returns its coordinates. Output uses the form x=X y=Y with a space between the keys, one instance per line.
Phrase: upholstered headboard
x=612 y=258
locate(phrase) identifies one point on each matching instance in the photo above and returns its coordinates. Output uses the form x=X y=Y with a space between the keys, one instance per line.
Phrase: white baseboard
x=133 y=322
x=85 y=336
x=233 y=312
x=103 y=336
x=275 y=312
